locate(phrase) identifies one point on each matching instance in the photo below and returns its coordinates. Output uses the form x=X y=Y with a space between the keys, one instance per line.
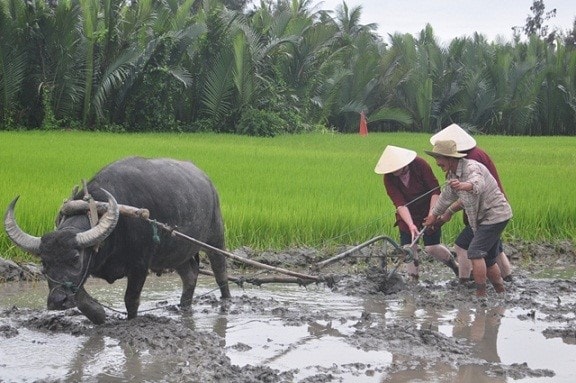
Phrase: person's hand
x=413 y=231
x=430 y=220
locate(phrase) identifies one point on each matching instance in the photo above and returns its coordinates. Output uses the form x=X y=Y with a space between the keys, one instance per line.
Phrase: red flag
x=363 y=124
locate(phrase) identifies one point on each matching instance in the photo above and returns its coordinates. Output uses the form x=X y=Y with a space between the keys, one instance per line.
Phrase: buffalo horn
x=23 y=240
x=105 y=226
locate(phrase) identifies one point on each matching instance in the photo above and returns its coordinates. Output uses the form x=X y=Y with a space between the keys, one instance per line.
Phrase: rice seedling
x=301 y=190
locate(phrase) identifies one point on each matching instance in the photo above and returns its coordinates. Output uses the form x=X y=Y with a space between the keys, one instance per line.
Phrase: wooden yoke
x=78 y=206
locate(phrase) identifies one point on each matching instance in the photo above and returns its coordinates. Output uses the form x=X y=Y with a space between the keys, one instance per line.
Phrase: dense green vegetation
x=312 y=189
x=280 y=66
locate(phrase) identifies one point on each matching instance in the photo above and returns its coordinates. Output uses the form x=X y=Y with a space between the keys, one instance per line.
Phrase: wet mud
x=167 y=345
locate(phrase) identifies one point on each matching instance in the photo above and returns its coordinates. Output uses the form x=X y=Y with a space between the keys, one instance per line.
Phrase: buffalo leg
x=134 y=287
x=218 y=264
x=188 y=272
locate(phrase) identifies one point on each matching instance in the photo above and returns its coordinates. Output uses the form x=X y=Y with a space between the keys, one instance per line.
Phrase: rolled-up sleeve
x=447 y=197
x=485 y=203
x=476 y=177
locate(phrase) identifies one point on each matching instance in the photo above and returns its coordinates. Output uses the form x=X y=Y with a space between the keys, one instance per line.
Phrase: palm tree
x=356 y=51
x=470 y=95
x=152 y=74
x=556 y=94
x=13 y=59
x=420 y=67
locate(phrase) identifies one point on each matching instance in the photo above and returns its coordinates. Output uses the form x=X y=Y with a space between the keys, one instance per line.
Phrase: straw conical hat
x=394 y=158
x=454 y=132
x=445 y=148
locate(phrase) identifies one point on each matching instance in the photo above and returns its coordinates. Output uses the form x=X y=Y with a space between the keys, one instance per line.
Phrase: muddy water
x=313 y=342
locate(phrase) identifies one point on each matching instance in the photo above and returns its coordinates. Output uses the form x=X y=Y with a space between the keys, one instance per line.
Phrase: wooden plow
x=401 y=254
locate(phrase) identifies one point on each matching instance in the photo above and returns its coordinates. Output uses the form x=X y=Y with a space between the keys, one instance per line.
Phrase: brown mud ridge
x=182 y=351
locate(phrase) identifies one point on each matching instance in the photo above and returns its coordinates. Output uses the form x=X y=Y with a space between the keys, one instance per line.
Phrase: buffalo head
x=66 y=255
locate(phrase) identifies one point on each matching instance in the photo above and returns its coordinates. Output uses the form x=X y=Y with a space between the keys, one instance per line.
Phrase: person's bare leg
x=494 y=275
x=504 y=265
x=479 y=274
x=441 y=253
x=464 y=264
x=413 y=268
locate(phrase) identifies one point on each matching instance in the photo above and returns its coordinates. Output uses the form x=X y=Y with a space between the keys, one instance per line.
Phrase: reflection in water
x=318 y=330
x=426 y=318
x=473 y=373
x=429 y=318
x=32 y=356
x=85 y=357
x=220 y=326
x=104 y=359
x=420 y=371
x=271 y=342
x=480 y=326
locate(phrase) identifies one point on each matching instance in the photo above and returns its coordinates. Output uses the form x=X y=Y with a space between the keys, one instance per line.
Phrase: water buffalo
x=175 y=192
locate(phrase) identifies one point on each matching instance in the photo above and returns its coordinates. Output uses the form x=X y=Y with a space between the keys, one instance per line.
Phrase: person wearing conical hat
x=413 y=189
x=487 y=208
x=465 y=143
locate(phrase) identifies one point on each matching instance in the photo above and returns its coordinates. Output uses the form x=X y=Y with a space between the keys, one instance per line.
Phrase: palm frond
x=114 y=78
x=219 y=88
x=391 y=114
x=12 y=71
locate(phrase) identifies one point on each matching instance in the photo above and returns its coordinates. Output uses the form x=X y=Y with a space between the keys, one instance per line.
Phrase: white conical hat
x=394 y=158
x=454 y=132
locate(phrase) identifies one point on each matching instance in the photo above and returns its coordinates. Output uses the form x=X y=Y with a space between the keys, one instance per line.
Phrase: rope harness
x=404 y=254
x=68 y=285
x=93 y=218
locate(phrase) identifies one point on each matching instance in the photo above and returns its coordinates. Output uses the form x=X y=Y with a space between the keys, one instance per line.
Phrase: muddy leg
x=494 y=275
x=218 y=264
x=464 y=264
x=218 y=261
x=504 y=265
x=90 y=307
x=188 y=272
x=479 y=274
x=136 y=281
x=413 y=268
x=441 y=253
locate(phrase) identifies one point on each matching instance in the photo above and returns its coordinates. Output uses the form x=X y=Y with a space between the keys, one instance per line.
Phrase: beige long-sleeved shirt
x=485 y=204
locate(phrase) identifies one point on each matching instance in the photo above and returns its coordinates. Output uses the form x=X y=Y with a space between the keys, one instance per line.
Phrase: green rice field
x=311 y=190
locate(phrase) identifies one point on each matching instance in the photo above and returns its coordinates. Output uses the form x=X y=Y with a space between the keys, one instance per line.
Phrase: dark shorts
x=465 y=237
x=485 y=243
x=429 y=239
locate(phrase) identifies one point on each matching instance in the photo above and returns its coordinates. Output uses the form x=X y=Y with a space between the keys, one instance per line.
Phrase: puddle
x=498 y=334
x=30 y=357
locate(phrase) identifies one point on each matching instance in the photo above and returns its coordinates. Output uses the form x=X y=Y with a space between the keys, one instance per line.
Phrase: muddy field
x=399 y=327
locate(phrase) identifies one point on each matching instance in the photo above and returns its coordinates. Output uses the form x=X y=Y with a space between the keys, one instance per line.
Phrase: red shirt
x=422 y=180
x=481 y=156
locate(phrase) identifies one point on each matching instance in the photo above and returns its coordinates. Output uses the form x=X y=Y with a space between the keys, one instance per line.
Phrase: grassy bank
x=312 y=190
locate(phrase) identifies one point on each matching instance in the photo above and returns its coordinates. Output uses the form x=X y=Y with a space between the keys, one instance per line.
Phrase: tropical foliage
x=281 y=66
